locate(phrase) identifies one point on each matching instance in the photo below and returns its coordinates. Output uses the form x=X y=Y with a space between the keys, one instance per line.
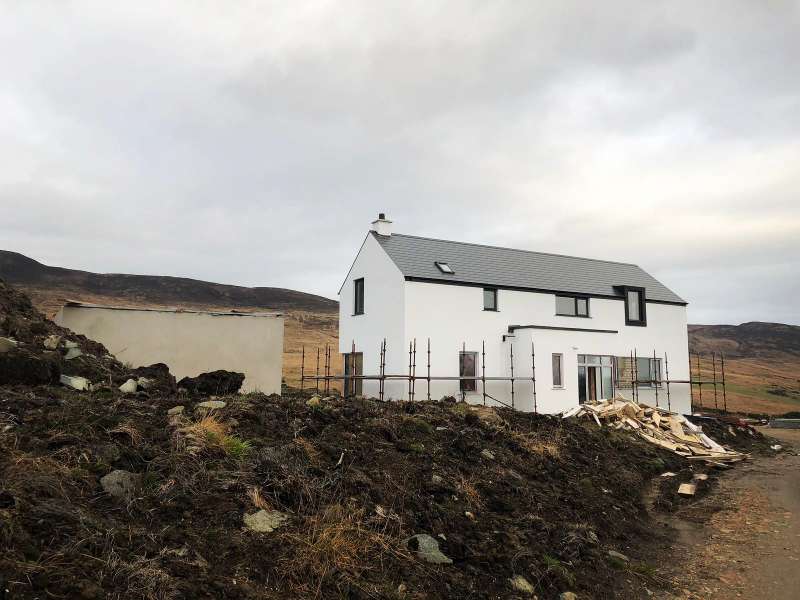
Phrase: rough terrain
x=743 y=541
x=169 y=493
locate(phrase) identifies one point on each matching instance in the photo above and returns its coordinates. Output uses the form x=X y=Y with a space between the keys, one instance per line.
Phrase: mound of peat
x=503 y=493
x=44 y=351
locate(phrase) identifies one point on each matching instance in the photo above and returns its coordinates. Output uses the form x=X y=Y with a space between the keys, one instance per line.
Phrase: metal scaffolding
x=349 y=376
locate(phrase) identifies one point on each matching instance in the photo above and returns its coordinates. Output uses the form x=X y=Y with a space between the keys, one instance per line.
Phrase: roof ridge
x=613 y=262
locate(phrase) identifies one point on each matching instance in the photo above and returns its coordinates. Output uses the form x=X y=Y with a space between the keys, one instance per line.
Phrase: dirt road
x=743 y=539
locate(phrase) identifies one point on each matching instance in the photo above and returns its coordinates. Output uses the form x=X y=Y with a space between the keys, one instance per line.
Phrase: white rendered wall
x=452 y=315
x=383 y=317
x=189 y=343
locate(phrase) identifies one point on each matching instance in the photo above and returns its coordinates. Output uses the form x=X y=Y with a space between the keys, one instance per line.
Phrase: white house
x=476 y=304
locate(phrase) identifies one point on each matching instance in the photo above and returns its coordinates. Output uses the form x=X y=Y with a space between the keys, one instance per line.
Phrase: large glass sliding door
x=595 y=377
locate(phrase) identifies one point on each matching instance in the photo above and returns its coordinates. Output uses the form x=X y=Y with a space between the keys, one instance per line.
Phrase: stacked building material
x=658 y=426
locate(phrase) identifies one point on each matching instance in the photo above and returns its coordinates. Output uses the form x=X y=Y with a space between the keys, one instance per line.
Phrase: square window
x=489 y=299
x=565 y=305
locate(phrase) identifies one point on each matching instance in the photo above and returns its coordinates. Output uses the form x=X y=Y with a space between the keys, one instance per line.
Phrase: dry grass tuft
x=209 y=433
x=470 y=492
x=336 y=544
x=258 y=500
x=307 y=446
x=130 y=431
x=542 y=444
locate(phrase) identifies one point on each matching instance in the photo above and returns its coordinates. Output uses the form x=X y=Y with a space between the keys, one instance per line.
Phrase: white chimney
x=382 y=225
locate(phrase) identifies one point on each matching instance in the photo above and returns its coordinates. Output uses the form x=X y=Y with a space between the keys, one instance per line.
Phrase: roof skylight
x=444 y=267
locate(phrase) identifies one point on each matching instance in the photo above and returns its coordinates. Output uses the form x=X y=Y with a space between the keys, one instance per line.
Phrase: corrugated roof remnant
x=214 y=313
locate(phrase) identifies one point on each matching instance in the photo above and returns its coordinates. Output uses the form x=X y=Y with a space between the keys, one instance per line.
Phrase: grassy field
x=753 y=385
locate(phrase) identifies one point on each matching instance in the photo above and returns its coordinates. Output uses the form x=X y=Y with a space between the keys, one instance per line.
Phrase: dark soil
x=213 y=384
x=504 y=493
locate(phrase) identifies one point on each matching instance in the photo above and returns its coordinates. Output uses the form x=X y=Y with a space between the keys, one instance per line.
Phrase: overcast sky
x=253 y=142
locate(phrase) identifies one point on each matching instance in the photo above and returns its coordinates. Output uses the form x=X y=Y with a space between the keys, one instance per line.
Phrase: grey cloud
x=253 y=144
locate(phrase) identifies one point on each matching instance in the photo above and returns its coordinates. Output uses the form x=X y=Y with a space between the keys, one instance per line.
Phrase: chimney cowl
x=382 y=225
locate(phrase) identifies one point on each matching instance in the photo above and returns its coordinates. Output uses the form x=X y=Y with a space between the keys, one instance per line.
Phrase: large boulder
x=215 y=383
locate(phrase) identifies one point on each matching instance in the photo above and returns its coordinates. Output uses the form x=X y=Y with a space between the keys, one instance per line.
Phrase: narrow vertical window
x=358 y=296
x=558 y=372
x=489 y=299
x=635 y=307
x=467 y=367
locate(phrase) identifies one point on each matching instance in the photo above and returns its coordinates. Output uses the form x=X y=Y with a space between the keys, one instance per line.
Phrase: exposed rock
x=618 y=555
x=69 y=344
x=175 y=410
x=121 y=484
x=77 y=383
x=427 y=549
x=73 y=353
x=7 y=344
x=314 y=401
x=212 y=404
x=213 y=383
x=129 y=387
x=144 y=383
x=487 y=454
x=520 y=584
x=265 y=521
x=51 y=342
x=567 y=596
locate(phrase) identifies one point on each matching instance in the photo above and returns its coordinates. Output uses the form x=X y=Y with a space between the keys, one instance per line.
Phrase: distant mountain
x=49 y=285
x=748 y=340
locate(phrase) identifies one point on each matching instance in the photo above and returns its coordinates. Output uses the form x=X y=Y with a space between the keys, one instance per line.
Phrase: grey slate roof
x=506 y=267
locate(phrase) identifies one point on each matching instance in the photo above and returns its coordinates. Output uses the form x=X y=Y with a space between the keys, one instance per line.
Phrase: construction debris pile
x=660 y=427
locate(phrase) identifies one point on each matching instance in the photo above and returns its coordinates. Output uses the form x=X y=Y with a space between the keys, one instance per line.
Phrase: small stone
x=618 y=555
x=436 y=479
x=265 y=521
x=77 y=383
x=700 y=477
x=73 y=353
x=428 y=550
x=70 y=344
x=144 y=383
x=440 y=428
x=212 y=404
x=121 y=484
x=520 y=584
x=7 y=344
x=51 y=342
x=175 y=410
x=314 y=401
x=568 y=596
x=401 y=589
x=469 y=515
x=129 y=387
x=487 y=454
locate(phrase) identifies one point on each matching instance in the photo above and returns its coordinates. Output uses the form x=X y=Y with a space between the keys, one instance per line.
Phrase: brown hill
x=154 y=289
x=762 y=364
x=748 y=340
